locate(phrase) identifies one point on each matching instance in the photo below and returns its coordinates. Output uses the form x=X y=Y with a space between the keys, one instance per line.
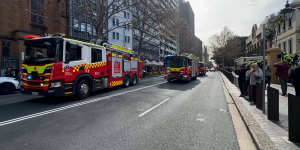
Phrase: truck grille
x=34 y=82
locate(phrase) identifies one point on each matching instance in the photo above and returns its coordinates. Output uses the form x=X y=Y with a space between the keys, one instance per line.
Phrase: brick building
x=23 y=17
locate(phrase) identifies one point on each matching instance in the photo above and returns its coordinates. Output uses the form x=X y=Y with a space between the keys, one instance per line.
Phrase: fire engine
x=58 y=66
x=201 y=69
x=180 y=68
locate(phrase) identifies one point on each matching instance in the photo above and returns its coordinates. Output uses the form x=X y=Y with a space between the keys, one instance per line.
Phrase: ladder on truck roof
x=118 y=49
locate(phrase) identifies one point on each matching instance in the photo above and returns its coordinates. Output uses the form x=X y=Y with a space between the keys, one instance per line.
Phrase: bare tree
x=226 y=47
x=101 y=11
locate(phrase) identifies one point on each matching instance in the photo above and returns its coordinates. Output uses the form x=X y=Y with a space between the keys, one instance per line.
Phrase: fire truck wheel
x=126 y=81
x=83 y=89
x=134 y=80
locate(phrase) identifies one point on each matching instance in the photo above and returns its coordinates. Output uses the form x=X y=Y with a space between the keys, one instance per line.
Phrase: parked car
x=8 y=84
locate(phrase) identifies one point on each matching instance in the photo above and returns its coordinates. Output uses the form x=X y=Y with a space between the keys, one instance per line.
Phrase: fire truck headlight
x=185 y=76
x=56 y=84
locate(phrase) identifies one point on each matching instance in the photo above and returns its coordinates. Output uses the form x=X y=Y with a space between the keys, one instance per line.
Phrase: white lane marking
x=11 y=121
x=200 y=119
x=152 y=108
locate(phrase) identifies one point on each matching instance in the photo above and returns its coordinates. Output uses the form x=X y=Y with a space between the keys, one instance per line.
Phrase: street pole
x=264 y=70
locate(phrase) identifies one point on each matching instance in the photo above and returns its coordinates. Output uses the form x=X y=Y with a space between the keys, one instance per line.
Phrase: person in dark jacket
x=295 y=76
x=282 y=71
x=242 y=80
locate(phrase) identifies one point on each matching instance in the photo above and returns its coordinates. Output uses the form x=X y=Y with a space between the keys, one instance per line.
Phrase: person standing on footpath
x=242 y=80
x=256 y=76
x=268 y=76
x=247 y=80
x=282 y=71
x=295 y=76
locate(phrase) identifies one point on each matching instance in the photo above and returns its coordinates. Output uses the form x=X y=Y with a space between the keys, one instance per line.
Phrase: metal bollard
x=273 y=104
x=259 y=97
x=294 y=119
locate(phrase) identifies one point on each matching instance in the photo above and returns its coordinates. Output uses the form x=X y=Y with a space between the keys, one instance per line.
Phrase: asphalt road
x=154 y=115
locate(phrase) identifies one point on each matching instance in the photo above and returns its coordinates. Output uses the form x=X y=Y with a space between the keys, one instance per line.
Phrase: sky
x=211 y=16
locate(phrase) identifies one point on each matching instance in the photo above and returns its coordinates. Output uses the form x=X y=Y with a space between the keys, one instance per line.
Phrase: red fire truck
x=57 y=66
x=201 y=69
x=180 y=68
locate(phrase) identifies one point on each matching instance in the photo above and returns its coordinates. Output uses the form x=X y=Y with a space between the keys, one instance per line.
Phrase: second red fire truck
x=56 y=66
x=181 y=68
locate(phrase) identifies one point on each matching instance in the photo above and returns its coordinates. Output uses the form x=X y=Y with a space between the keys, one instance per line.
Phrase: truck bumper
x=51 y=92
x=177 y=77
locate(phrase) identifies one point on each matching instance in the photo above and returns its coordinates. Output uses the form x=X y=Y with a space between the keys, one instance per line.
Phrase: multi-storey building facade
x=81 y=19
x=150 y=40
x=119 y=27
x=286 y=35
x=287 y=31
x=254 y=43
x=20 y=18
x=187 y=27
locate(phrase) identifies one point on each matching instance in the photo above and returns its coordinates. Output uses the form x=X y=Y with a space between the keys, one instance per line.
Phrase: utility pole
x=264 y=69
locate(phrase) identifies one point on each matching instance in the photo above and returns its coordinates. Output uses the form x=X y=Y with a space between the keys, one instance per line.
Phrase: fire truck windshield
x=201 y=65
x=42 y=51
x=176 y=61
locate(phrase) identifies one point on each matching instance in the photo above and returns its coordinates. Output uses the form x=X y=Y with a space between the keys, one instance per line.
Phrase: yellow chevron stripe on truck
x=39 y=69
x=175 y=69
x=116 y=83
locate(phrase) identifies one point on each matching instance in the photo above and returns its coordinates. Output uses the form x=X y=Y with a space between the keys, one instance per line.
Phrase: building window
x=83 y=27
x=116 y=22
x=37 y=11
x=115 y=35
x=75 y=23
x=279 y=45
x=125 y=14
x=284 y=46
x=290 y=46
x=89 y=29
x=127 y=39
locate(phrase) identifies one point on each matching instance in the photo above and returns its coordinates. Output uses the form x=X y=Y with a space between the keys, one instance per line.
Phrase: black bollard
x=294 y=119
x=273 y=104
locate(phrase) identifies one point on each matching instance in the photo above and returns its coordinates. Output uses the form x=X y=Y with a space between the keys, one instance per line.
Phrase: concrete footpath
x=266 y=134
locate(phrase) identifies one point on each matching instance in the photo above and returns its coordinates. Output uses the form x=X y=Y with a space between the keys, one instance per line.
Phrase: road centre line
x=152 y=108
x=11 y=121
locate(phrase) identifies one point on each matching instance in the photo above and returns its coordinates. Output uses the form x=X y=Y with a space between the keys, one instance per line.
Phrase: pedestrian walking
x=295 y=76
x=282 y=71
x=256 y=76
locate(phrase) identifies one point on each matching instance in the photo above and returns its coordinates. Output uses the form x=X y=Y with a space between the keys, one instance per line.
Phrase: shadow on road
x=9 y=93
x=180 y=85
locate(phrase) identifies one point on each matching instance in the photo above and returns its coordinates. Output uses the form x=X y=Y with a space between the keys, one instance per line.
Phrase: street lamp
x=287 y=10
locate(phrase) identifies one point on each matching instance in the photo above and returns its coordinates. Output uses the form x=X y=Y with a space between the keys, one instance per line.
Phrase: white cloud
x=238 y=15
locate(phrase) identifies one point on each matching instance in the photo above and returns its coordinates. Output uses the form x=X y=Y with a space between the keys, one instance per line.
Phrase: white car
x=8 y=84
